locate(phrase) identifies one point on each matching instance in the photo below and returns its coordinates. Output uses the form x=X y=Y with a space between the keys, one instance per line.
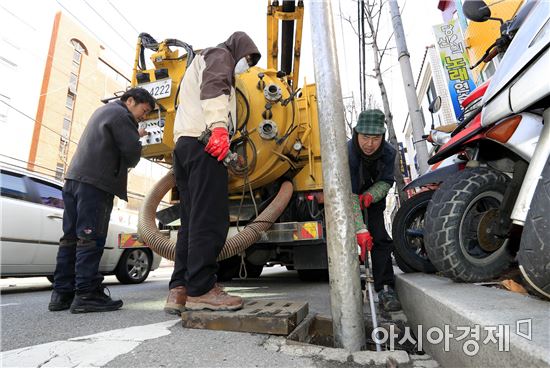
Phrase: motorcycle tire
x=403 y=266
x=534 y=251
x=456 y=239
x=408 y=234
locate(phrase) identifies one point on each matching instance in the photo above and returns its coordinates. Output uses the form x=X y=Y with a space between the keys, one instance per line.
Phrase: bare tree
x=371 y=12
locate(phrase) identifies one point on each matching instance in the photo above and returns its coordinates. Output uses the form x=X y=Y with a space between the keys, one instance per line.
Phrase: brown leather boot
x=215 y=299
x=175 y=303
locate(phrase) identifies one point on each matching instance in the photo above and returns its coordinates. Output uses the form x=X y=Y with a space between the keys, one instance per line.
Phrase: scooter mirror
x=435 y=105
x=476 y=10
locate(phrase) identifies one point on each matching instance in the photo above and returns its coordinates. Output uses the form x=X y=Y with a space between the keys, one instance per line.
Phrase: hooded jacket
x=108 y=147
x=207 y=93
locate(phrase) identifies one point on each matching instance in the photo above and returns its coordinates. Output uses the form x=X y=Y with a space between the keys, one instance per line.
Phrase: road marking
x=85 y=351
x=5 y=305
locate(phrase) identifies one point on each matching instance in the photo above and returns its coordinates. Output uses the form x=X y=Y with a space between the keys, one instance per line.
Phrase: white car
x=31 y=226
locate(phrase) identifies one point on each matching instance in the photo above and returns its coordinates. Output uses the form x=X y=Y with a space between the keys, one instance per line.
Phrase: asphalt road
x=141 y=334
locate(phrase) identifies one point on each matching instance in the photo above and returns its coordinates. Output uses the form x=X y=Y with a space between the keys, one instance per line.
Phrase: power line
x=108 y=24
x=92 y=32
x=28 y=117
x=122 y=16
x=26 y=162
x=55 y=132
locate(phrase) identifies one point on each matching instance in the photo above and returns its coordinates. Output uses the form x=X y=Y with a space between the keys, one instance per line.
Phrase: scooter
x=475 y=219
x=408 y=223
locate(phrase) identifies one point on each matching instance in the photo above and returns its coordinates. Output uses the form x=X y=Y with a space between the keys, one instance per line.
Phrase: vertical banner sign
x=454 y=59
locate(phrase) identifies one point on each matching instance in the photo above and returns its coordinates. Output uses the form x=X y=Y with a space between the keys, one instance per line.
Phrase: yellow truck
x=276 y=198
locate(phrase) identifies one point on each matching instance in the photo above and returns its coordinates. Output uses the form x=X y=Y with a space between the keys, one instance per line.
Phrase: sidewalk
x=476 y=326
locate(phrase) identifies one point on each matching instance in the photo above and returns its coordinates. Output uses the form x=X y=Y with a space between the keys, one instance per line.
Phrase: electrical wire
x=109 y=24
x=52 y=130
x=42 y=124
x=122 y=16
x=93 y=33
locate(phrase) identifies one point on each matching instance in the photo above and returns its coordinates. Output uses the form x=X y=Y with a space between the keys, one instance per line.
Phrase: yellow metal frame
x=274 y=15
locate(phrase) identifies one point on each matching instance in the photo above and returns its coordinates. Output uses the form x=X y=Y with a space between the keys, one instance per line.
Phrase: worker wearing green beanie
x=371 y=162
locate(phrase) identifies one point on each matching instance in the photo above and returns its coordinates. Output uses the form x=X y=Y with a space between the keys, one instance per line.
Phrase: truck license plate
x=159 y=89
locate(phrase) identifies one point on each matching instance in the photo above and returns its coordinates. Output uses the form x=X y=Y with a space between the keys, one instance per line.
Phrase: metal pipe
x=287 y=38
x=533 y=175
x=370 y=286
x=417 y=119
x=345 y=287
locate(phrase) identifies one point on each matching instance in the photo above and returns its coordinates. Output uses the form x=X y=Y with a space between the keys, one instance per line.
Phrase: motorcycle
x=408 y=224
x=475 y=220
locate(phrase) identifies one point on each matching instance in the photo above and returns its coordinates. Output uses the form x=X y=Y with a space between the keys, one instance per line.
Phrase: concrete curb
x=294 y=348
x=432 y=301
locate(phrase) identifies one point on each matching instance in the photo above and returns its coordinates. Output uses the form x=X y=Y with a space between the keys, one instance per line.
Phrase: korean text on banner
x=452 y=53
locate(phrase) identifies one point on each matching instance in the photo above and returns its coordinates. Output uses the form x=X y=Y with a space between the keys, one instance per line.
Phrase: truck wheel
x=534 y=252
x=408 y=234
x=134 y=266
x=458 y=219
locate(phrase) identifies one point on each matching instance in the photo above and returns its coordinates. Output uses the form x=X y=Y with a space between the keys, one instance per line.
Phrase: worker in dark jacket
x=207 y=103
x=98 y=171
x=371 y=163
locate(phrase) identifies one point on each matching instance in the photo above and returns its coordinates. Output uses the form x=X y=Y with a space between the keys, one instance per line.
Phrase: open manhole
x=318 y=330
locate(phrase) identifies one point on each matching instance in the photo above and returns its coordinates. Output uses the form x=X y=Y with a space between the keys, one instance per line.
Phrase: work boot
x=175 y=303
x=216 y=299
x=95 y=301
x=60 y=301
x=387 y=298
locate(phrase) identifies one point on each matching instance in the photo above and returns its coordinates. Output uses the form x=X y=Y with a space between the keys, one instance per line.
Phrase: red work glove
x=364 y=239
x=218 y=144
x=365 y=200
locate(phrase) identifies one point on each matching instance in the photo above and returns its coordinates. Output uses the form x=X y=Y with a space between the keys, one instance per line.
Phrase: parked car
x=31 y=226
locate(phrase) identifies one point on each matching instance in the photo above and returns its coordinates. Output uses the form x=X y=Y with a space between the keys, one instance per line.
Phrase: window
x=69 y=103
x=66 y=127
x=79 y=49
x=62 y=147
x=431 y=93
x=50 y=194
x=13 y=186
x=59 y=170
x=73 y=83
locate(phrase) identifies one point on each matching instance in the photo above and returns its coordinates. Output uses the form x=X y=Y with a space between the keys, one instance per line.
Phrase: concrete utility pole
x=417 y=121
x=345 y=287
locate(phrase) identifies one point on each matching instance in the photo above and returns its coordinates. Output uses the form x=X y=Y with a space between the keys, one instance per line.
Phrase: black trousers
x=85 y=224
x=204 y=213
x=382 y=268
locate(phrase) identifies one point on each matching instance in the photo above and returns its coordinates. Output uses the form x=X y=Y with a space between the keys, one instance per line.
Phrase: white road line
x=85 y=351
x=7 y=304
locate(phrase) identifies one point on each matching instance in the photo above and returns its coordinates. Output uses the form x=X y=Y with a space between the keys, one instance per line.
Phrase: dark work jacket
x=384 y=168
x=108 y=147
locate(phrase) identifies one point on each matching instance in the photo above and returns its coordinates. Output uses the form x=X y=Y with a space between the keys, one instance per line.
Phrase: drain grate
x=257 y=316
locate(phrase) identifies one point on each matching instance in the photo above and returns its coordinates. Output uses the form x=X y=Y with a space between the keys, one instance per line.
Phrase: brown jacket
x=207 y=93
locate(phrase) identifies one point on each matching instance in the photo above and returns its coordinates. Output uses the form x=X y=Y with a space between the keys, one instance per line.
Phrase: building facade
x=431 y=83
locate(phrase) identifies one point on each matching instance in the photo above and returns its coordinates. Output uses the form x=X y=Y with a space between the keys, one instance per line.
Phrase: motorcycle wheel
x=408 y=234
x=534 y=252
x=457 y=222
x=403 y=266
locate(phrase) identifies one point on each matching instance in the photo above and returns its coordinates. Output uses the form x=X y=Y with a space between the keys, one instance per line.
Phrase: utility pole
x=345 y=287
x=417 y=121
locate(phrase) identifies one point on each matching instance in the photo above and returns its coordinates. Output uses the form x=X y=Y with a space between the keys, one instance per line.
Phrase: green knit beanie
x=371 y=122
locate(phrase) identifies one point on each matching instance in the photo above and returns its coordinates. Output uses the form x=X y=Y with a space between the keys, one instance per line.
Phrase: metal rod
x=369 y=281
x=345 y=287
